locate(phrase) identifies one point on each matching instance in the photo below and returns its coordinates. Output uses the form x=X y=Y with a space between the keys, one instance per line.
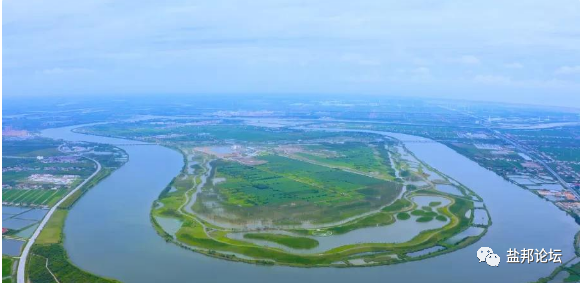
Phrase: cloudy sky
x=512 y=51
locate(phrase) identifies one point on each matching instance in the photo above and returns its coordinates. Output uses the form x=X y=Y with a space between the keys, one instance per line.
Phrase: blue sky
x=509 y=51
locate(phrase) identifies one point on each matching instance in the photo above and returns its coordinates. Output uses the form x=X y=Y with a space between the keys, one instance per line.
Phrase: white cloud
x=360 y=60
x=567 y=70
x=58 y=71
x=422 y=71
x=514 y=65
x=492 y=79
x=469 y=60
x=507 y=81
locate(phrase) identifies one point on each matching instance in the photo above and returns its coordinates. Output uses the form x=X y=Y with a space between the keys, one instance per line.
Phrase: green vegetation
x=52 y=232
x=573 y=273
x=441 y=218
x=358 y=156
x=36 y=173
x=285 y=188
x=229 y=130
x=33 y=197
x=403 y=216
x=285 y=240
x=7 y=263
x=48 y=254
x=58 y=264
x=399 y=204
x=377 y=219
x=424 y=219
x=30 y=147
x=423 y=213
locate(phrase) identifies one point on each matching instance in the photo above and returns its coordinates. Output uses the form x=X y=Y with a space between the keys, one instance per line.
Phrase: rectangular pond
x=11 y=247
x=17 y=224
x=33 y=214
x=8 y=209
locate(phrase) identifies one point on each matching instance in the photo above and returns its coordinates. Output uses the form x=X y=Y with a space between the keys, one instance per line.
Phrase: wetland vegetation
x=265 y=196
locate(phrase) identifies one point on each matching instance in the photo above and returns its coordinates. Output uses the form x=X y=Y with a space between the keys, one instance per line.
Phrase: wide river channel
x=108 y=231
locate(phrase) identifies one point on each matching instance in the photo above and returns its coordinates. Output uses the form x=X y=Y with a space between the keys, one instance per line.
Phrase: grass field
x=52 y=232
x=285 y=240
x=7 y=263
x=291 y=188
x=362 y=157
x=33 y=197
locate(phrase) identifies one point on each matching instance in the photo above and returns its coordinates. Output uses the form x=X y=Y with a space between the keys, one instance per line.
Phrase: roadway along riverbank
x=20 y=273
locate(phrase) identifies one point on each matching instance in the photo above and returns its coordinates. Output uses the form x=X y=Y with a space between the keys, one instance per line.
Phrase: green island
x=302 y=198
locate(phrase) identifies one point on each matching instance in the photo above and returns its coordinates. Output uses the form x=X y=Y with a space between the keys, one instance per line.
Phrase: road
x=521 y=148
x=534 y=157
x=20 y=274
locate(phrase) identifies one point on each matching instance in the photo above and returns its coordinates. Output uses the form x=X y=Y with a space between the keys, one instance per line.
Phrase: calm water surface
x=108 y=231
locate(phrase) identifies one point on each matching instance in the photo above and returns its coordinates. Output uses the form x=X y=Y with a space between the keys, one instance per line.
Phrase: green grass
x=59 y=265
x=400 y=204
x=37 y=197
x=287 y=189
x=52 y=232
x=358 y=156
x=424 y=219
x=215 y=242
x=285 y=240
x=7 y=263
x=419 y=212
x=435 y=203
x=403 y=216
x=373 y=220
x=441 y=218
x=573 y=273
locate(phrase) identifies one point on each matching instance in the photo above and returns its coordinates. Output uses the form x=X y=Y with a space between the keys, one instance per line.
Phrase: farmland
x=38 y=172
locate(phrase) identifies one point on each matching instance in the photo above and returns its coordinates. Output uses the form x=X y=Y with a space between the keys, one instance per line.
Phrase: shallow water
x=471 y=231
x=11 y=247
x=17 y=224
x=449 y=189
x=481 y=217
x=7 y=209
x=33 y=214
x=398 y=232
x=425 y=251
x=170 y=225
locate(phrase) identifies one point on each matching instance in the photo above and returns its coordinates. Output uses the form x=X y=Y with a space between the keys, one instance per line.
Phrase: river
x=108 y=231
